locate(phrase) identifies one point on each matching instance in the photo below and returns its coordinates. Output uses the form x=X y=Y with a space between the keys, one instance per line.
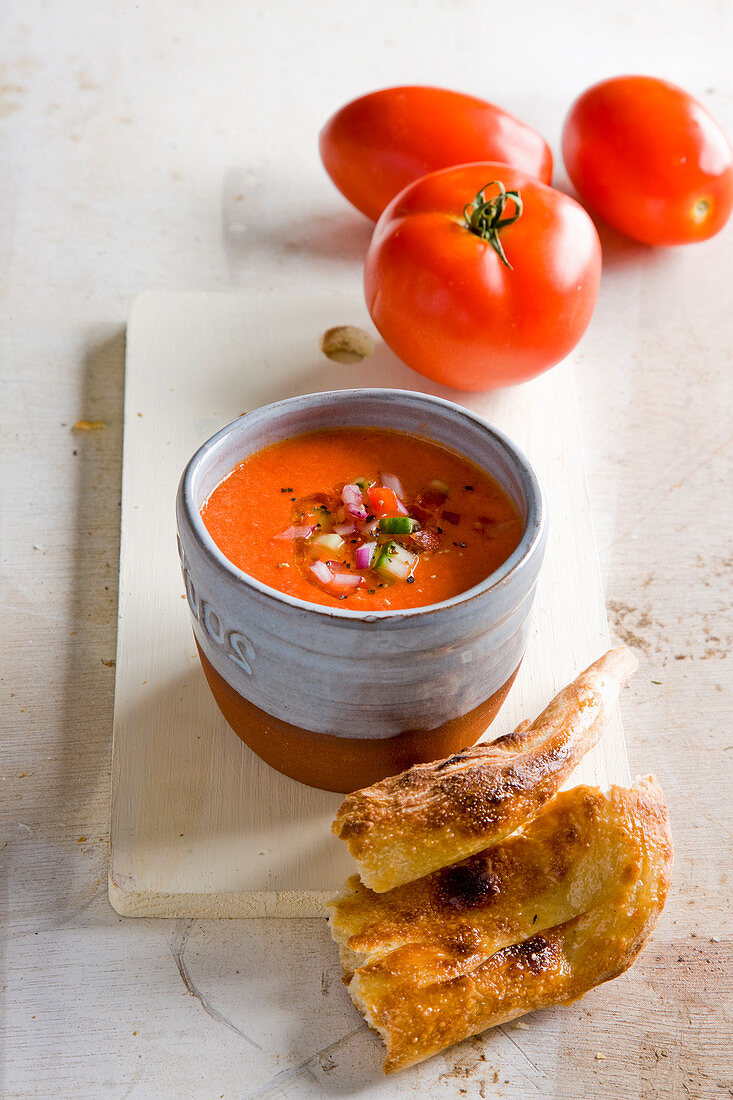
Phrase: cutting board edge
x=289 y=903
x=243 y=904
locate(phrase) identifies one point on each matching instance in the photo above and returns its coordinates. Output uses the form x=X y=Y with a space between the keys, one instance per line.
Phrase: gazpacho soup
x=364 y=518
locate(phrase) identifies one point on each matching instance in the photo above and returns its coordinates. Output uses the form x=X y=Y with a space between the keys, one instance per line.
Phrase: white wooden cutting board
x=200 y=826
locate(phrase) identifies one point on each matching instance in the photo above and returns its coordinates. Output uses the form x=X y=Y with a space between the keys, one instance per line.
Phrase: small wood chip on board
x=89 y=426
x=347 y=344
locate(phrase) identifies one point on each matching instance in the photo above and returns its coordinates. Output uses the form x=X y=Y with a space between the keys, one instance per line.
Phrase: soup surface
x=363 y=518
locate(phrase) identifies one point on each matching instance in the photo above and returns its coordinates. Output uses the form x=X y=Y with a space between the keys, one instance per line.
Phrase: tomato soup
x=363 y=518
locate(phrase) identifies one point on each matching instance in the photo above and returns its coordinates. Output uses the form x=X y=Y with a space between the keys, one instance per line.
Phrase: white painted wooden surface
x=145 y=146
x=200 y=826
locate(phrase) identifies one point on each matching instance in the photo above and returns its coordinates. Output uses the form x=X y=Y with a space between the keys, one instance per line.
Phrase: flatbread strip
x=435 y=814
x=554 y=967
x=555 y=869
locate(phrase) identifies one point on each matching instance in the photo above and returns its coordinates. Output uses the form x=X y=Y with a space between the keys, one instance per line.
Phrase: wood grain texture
x=200 y=826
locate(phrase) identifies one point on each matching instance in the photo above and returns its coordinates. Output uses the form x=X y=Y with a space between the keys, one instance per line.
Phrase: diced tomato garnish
x=385 y=502
x=425 y=539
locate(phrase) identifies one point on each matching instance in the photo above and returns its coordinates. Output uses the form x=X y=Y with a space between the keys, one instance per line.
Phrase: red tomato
x=650 y=160
x=447 y=304
x=385 y=502
x=377 y=144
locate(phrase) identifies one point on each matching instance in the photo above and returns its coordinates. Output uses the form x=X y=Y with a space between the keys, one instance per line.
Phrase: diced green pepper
x=397 y=525
x=395 y=563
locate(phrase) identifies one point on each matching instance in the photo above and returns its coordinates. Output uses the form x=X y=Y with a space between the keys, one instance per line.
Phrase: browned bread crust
x=435 y=814
x=417 y=1018
x=553 y=870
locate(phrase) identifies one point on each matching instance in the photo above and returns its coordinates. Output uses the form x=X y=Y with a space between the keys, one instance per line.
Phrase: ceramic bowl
x=338 y=698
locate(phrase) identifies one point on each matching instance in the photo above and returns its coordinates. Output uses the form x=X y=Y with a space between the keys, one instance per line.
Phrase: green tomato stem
x=484 y=217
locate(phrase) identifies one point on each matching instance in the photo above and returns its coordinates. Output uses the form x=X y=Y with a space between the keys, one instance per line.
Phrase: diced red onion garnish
x=365 y=554
x=322 y=572
x=393 y=483
x=345 y=529
x=352 y=498
x=297 y=532
x=346 y=580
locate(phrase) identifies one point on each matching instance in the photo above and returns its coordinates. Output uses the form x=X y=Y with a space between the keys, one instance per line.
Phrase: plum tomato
x=377 y=144
x=480 y=276
x=650 y=160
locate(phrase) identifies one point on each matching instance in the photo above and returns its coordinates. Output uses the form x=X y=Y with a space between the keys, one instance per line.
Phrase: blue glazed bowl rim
x=530 y=545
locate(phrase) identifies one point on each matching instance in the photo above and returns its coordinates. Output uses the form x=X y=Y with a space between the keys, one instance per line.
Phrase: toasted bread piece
x=555 y=966
x=435 y=814
x=553 y=870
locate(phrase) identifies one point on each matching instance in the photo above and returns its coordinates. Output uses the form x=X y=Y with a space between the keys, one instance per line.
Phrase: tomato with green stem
x=650 y=160
x=481 y=276
x=378 y=143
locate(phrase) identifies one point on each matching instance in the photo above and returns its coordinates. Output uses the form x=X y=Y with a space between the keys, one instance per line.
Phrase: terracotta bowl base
x=345 y=763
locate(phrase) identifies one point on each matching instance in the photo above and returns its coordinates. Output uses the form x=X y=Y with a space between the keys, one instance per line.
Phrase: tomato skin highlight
x=384 y=501
x=377 y=144
x=446 y=304
x=650 y=160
